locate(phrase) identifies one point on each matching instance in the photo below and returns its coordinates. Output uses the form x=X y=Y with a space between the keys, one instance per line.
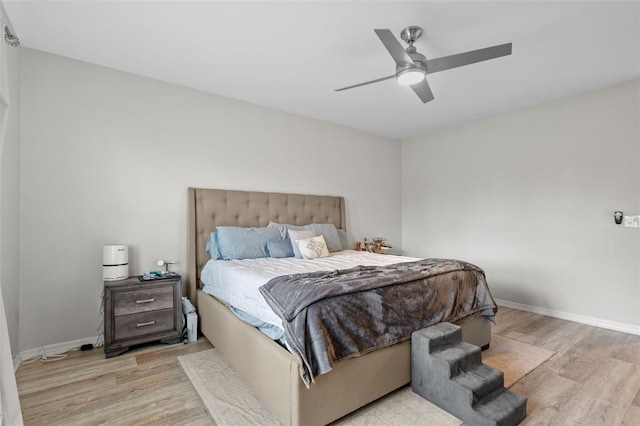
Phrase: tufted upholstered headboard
x=208 y=208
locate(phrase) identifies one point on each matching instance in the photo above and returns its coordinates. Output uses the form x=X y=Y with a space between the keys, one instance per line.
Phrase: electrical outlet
x=632 y=221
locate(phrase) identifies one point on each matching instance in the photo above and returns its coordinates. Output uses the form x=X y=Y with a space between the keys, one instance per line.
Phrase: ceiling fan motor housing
x=419 y=65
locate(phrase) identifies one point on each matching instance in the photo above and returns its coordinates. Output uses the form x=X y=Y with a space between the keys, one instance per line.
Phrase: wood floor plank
x=124 y=391
x=548 y=395
x=632 y=416
x=56 y=376
x=508 y=319
x=138 y=405
x=627 y=349
x=550 y=333
x=170 y=353
x=195 y=416
x=521 y=337
x=561 y=335
x=585 y=355
x=65 y=407
x=605 y=396
x=636 y=400
x=47 y=401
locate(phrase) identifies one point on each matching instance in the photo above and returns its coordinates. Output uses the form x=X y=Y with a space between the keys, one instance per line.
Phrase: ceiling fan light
x=410 y=76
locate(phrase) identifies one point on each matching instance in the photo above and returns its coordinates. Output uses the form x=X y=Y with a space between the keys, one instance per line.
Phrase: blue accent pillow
x=330 y=234
x=282 y=228
x=235 y=242
x=212 y=246
x=280 y=248
x=344 y=239
x=327 y=230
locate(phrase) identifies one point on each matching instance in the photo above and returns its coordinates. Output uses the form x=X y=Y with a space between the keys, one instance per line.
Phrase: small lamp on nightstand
x=166 y=264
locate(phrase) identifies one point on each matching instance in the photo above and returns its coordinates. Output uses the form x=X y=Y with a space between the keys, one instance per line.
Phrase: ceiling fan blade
x=423 y=91
x=394 y=47
x=365 y=83
x=466 y=58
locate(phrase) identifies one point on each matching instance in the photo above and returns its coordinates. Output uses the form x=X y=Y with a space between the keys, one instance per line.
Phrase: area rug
x=230 y=402
x=516 y=359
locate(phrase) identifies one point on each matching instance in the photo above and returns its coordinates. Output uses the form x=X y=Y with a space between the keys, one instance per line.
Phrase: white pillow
x=314 y=247
x=294 y=236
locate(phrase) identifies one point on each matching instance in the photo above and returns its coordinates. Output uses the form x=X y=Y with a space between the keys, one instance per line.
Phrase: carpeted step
x=441 y=335
x=481 y=380
x=459 y=356
x=503 y=407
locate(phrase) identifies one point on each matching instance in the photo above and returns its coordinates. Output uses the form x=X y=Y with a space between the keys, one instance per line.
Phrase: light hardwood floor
x=142 y=386
x=594 y=378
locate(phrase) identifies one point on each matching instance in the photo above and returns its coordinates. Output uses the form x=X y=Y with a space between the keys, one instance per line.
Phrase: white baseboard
x=55 y=349
x=583 y=319
x=16 y=362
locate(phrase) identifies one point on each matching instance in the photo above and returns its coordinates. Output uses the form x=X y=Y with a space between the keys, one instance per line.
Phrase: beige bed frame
x=272 y=372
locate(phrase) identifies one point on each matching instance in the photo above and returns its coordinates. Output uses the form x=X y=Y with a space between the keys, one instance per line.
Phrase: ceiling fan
x=412 y=67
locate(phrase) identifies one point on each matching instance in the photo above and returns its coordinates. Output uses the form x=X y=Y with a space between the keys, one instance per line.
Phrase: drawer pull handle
x=144 y=324
x=146 y=300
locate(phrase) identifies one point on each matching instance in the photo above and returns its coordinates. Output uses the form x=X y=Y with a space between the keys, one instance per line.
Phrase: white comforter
x=237 y=281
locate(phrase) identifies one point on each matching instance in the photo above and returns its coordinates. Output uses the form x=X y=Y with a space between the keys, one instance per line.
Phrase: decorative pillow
x=212 y=246
x=314 y=247
x=282 y=228
x=344 y=239
x=294 y=236
x=235 y=242
x=327 y=230
x=280 y=248
x=330 y=234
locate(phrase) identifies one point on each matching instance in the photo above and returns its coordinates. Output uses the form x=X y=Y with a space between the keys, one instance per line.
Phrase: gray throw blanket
x=329 y=316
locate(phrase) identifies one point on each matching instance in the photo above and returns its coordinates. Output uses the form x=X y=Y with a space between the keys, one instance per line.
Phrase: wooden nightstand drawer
x=144 y=300
x=143 y=323
x=137 y=312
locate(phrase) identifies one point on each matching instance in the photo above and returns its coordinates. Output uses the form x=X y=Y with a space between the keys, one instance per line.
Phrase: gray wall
x=10 y=201
x=106 y=157
x=529 y=196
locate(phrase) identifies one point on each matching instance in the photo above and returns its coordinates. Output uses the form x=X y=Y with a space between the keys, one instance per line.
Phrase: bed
x=272 y=372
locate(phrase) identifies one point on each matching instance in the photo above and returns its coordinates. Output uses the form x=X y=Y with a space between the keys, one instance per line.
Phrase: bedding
x=333 y=315
x=237 y=282
x=259 y=289
x=273 y=332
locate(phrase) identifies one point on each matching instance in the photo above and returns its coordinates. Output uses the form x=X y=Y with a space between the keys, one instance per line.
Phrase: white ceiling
x=291 y=55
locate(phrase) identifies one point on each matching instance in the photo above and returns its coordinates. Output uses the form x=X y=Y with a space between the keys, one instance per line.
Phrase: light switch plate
x=632 y=221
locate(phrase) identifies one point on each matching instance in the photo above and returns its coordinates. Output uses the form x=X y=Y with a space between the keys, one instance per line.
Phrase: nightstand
x=139 y=312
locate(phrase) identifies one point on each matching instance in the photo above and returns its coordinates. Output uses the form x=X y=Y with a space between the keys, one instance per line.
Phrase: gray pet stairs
x=450 y=373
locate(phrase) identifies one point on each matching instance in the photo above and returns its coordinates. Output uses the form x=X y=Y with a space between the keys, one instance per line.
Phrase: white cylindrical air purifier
x=115 y=262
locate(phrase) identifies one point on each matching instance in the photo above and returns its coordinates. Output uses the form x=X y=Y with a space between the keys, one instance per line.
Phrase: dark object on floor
x=449 y=373
x=86 y=347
